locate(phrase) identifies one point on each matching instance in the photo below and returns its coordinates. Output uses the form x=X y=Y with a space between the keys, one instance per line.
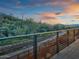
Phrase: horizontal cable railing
x=37 y=45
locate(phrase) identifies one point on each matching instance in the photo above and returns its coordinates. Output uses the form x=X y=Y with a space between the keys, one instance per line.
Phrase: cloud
x=51 y=15
x=8 y=11
x=53 y=21
x=47 y=15
x=50 y=18
x=18 y=3
x=34 y=3
x=72 y=9
x=76 y=17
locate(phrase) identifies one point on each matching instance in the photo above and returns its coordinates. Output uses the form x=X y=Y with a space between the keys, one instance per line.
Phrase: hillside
x=11 y=26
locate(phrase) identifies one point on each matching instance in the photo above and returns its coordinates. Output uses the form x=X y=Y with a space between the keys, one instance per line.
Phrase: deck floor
x=70 y=52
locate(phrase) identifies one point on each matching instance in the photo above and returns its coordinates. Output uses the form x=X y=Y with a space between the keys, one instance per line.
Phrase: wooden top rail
x=34 y=34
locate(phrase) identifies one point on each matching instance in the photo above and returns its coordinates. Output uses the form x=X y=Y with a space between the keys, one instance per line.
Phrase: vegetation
x=12 y=26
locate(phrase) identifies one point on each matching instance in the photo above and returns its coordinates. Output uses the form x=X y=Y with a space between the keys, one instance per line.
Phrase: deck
x=70 y=52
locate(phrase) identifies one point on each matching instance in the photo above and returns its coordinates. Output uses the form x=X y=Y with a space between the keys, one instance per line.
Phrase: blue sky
x=25 y=6
x=59 y=11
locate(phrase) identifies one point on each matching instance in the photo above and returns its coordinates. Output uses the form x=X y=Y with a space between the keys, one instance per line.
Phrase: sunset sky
x=49 y=11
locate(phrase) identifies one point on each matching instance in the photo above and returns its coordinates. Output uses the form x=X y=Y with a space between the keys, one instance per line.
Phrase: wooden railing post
x=35 y=47
x=78 y=33
x=67 y=37
x=57 y=44
x=74 y=34
x=18 y=56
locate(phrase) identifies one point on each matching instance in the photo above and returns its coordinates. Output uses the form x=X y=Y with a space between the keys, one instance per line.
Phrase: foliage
x=11 y=26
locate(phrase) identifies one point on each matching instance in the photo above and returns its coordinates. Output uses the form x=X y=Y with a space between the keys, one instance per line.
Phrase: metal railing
x=37 y=45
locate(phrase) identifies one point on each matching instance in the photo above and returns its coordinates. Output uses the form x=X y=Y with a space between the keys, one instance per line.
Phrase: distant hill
x=11 y=26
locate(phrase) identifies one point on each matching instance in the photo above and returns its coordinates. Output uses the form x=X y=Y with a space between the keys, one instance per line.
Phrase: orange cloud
x=50 y=14
x=62 y=3
x=76 y=17
x=51 y=18
x=69 y=1
x=53 y=21
x=72 y=9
